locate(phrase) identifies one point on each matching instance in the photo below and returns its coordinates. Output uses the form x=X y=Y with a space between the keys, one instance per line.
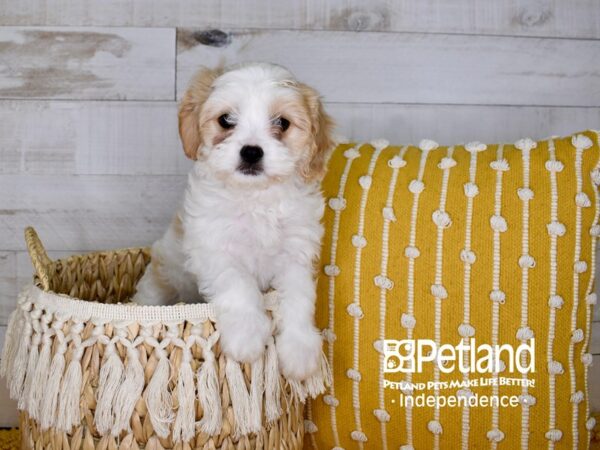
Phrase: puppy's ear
x=190 y=107
x=321 y=129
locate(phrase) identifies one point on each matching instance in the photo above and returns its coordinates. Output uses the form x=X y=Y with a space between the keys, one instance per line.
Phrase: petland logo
x=409 y=356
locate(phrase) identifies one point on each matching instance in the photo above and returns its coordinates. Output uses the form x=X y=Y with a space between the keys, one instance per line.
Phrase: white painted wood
x=87 y=63
x=573 y=18
x=452 y=124
x=89 y=212
x=8 y=284
x=416 y=68
x=595 y=342
x=594 y=377
x=85 y=137
x=8 y=408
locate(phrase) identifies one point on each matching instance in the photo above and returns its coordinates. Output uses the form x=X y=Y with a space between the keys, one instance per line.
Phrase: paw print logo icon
x=398 y=356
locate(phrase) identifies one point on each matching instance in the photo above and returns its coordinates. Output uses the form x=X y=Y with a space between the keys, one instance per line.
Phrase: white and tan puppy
x=250 y=218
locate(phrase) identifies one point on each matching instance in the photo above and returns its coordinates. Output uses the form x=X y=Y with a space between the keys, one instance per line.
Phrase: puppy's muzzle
x=251 y=156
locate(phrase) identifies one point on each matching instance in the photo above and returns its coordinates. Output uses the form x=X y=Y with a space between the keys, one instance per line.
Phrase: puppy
x=250 y=218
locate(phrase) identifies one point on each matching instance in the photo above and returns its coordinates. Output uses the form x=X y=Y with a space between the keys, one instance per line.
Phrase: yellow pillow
x=492 y=243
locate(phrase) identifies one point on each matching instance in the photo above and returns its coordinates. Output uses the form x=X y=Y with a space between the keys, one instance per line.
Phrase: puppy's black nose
x=251 y=154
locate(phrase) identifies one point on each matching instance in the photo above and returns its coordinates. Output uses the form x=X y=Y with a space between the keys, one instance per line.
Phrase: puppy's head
x=255 y=123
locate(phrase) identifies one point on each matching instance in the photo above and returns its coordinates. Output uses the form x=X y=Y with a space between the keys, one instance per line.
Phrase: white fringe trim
x=48 y=386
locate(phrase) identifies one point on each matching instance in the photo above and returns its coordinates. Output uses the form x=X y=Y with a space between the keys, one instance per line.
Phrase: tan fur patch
x=321 y=130
x=191 y=107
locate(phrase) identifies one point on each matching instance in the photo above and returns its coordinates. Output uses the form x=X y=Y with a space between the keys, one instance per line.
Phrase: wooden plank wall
x=89 y=151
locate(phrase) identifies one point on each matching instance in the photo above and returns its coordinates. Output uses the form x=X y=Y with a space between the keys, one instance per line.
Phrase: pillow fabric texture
x=482 y=244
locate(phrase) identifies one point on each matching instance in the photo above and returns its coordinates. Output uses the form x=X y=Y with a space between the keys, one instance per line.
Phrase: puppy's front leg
x=298 y=341
x=241 y=317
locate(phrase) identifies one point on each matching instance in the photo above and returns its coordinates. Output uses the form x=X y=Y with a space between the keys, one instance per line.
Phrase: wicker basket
x=90 y=371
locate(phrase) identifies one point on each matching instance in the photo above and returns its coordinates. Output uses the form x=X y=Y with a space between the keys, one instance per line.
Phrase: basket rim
x=91 y=310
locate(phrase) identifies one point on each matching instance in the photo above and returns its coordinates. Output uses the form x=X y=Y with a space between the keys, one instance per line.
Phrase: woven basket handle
x=39 y=258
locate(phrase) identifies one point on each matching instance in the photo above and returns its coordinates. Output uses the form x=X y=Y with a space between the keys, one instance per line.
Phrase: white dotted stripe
x=309 y=417
x=442 y=219
x=589 y=294
x=526 y=262
x=412 y=252
x=379 y=146
x=495 y=433
x=580 y=142
x=555 y=302
x=332 y=270
x=468 y=257
x=384 y=286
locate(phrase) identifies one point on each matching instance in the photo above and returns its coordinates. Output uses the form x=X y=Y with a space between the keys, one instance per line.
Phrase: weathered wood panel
x=8 y=284
x=64 y=137
x=414 y=68
x=594 y=386
x=575 y=18
x=595 y=343
x=85 y=137
x=87 y=212
x=451 y=124
x=87 y=63
x=8 y=408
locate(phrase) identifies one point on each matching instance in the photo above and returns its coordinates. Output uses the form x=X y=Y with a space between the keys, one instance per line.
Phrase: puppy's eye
x=282 y=123
x=226 y=121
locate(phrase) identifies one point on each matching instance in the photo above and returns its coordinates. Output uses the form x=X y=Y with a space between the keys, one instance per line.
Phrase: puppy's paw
x=244 y=334
x=299 y=351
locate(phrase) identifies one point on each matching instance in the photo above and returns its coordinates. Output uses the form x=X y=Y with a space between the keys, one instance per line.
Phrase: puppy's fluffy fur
x=246 y=227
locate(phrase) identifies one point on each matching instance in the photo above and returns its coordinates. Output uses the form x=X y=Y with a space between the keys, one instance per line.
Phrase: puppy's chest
x=259 y=228
x=248 y=228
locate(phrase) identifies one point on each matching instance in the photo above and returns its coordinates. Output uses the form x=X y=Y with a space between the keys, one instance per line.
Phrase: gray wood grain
x=415 y=67
x=8 y=284
x=131 y=138
x=559 y=18
x=87 y=212
x=90 y=137
x=87 y=63
x=595 y=342
x=594 y=386
x=9 y=416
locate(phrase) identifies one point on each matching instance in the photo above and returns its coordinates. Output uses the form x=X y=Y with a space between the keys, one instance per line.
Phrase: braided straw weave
x=105 y=374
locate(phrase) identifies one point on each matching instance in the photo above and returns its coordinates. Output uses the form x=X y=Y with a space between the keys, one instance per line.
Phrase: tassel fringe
x=240 y=400
x=35 y=358
x=184 y=426
x=109 y=380
x=272 y=384
x=209 y=393
x=69 y=413
x=128 y=393
x=158 y=398
x=32 y=360
x=19 y=365
x=50 y=400
x=38 y=384
x=10 y=345
x=257 y=389
x=320 y=381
